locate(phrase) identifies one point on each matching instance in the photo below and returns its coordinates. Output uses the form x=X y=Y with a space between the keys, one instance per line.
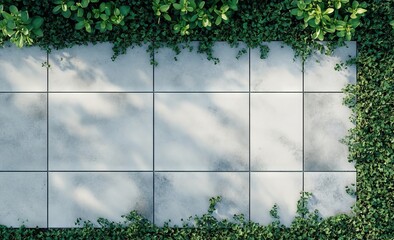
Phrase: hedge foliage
x=371 y=141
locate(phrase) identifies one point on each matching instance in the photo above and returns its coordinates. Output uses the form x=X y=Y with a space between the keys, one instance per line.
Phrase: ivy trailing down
x=298 y=24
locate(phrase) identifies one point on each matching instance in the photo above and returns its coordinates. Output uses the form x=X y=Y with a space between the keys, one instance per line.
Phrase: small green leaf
x=348 y=36
x=84 y=3
x=38 y=32
x=341 y=34
x=201 y=5
x=80 y=12
x=11 y=24
x=224 y=17
x=79 y=25
x=164 y=8
x=66 y=14
x=14 y=9
x=25 y=16
x=329 y=11
x=20 y=42
x=37 y=22
x=294 y=11
x=218 y=20
x=64 y=8
x=177 y=6
x=167 y=17
x=88 y=28
x=124 y=10
x=25 y=31
x=224 y=8
x=361 y=10
x=103 y=25
x=355 y=4
x=103 y=16
x=56 y=9
x=177 y=27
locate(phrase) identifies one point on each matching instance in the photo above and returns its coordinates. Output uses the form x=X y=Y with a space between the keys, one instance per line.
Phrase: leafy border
x=371 y=141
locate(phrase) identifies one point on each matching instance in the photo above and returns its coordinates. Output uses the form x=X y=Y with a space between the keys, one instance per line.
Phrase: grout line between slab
x=47 y=93
x=303 y=129
x=153 y=138
x=163 y=92
x=176 y=171
x=249 y=204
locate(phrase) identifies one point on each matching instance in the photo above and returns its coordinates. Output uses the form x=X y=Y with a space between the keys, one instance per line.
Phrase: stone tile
x=326 y=123
x=93 y=195
x=90 y=68
x=181 y=195
x=201 y=131
x=104 y=131
x=23 y=199
x=22 y=69
x=23 y=133
x=280 y=71
x=328 y=192
x=320 y=73
x=276 y=131
x=269 y=188
x=193 y=72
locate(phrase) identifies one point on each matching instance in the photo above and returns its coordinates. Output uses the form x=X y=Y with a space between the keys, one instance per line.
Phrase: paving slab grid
x=88 y=137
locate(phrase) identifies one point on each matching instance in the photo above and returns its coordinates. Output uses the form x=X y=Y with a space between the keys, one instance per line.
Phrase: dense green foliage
x=317 y=14
x=371 y=141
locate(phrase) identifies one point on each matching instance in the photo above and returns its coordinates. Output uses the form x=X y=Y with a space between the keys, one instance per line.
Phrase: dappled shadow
x=23 y=131
x=90 y=68
x=22 y=69
x=94 y=195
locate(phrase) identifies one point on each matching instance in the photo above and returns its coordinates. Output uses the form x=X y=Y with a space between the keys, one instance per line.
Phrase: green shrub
x=333 y=16
x=19 y=27
x=186 y=15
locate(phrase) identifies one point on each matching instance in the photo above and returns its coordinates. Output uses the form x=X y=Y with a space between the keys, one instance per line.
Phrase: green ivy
x=371 y=141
